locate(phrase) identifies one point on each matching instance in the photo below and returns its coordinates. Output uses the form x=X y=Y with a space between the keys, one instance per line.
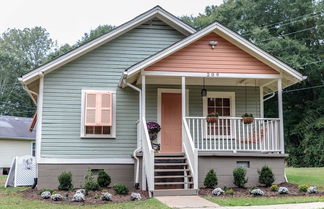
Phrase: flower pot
x=212 y=119
x=248 y=120
x=153 y=136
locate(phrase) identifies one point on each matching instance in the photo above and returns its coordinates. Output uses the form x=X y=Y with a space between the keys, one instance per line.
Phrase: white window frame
x=216 y=94
x=113 y=127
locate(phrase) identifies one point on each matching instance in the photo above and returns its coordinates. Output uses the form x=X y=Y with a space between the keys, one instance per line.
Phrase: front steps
x=172 y=175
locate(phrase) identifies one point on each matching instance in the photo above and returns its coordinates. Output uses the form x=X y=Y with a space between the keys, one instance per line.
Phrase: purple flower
x=153 y=127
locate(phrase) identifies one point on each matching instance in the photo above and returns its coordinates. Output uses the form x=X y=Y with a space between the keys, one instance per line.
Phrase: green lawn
x=310 y=176
x=10 y=199
x=246 y=201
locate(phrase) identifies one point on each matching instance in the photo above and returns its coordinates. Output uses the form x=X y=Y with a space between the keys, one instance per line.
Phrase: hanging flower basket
x=247 y=118
x=212 y=117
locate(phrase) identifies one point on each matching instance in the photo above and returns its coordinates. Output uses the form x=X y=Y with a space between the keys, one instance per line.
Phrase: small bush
x=239 y=177
x=120 y=189
x=65 y=181
x=218 y=192
x=229 y=192
x=257 y=192
x=44 y=190
x=103 y=179
x=274 y=187
x=303 y=188
x=89 y=183
x=210 y=179
x=266 y=176
x=283 y=190
x=312 y=190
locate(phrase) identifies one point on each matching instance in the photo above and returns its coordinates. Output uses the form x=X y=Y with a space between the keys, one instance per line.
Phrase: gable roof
x=229 y=35
x=156 y=11
x=12 y=127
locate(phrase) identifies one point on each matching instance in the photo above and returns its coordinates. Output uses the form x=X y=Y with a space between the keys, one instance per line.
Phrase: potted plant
x=153 y=129
x=247 y=118
x=212 y=117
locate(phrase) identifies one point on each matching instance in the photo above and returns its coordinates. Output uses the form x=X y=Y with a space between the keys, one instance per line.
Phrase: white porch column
x=183 y=94
x=280 y=114
x=261 y=103
x=142 y=133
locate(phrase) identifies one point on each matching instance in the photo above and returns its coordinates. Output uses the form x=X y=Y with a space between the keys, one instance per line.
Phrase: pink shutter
x=104 y=109
x=90 y=109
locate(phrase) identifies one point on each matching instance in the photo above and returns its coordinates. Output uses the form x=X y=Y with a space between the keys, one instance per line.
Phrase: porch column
x=143 y=97
x=280 y=114
x=261 y=103
x=183 y=96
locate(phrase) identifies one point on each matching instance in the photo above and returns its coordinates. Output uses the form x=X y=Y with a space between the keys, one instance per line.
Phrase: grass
x=10 y=199
x=247 y=201
x=309 y=176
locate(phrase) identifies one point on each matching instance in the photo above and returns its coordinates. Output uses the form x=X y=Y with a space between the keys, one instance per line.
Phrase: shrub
x=283 y=190
x=89 y=183
x=106 y=196
x=103 y=179
x=218 y=192
x=44 y=190
x=135 y=196
x=274 y=187
x=257 y=192
x=210 y=179
x=312 y=190
x=120 y=189
x=266 y=176
x=229 y=192
x=65 y=181
x=303 y=188
x=239 y=177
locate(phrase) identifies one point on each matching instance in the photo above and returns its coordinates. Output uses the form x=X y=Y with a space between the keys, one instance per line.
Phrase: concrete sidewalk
x=196 y=202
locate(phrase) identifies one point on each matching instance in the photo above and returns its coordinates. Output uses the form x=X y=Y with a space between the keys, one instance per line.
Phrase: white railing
x=231 y=134
x=191 y=152
x=148 y=157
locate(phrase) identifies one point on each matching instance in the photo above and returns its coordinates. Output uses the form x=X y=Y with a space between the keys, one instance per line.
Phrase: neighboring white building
x=15 y=140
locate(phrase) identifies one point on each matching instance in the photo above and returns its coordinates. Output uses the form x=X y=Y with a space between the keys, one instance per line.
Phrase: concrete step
x=172 y=183
x=174 y=192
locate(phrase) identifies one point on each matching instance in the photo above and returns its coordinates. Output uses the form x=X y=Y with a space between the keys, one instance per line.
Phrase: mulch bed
x=89 y=198
x=241 y=192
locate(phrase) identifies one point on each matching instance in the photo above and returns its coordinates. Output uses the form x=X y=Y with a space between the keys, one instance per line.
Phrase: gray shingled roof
x=12 y=127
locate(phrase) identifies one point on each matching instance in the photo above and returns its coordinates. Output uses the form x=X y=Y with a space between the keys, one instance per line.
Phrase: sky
x=68 y=20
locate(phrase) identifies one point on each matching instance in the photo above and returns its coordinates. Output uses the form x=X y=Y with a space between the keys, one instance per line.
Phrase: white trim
x=39 y=117
x=211 y=75
x=86 y=161
x=159 y=103
x=261 y=103
x=113 y=127
x=249 y=47
x=154 y=12
x=220 y=94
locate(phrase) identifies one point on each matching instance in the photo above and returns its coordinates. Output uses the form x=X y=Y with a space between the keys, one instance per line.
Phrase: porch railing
x=148 y=157
x=191 y=153
x=231 y=134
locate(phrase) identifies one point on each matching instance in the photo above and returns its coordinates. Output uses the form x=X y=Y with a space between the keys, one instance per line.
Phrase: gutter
x=139 y=142
x=272 y=95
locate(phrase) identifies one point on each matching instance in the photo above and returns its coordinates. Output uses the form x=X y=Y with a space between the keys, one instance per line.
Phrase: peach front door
x=171 y=141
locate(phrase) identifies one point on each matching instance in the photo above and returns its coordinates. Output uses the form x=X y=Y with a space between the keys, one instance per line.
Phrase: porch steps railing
x=231 y=134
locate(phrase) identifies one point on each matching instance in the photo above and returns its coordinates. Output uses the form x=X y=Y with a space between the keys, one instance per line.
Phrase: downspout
x=139 y=142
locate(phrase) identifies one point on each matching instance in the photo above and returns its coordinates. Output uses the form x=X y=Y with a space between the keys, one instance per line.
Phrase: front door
x=171 y=141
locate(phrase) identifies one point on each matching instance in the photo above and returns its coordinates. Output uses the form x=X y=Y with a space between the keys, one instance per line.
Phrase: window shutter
x=105 y=109
x=90 y=109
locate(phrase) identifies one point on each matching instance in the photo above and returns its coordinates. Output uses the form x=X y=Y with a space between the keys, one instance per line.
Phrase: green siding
x=196 y=103
x=99 y=69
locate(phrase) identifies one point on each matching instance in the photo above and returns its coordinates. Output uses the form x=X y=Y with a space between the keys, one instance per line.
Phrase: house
x=15 y=140
x=93 y=104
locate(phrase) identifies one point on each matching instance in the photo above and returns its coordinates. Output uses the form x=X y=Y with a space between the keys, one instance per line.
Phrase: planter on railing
x=247 y=118
x=212 y=117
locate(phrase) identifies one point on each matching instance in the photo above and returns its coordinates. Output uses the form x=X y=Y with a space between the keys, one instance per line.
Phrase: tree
x=291 y=31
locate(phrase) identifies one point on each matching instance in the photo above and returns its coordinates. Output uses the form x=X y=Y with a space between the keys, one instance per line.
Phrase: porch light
x=203 y=90
x=213 y=44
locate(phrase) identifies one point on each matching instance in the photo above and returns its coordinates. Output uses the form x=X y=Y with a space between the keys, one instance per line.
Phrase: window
x=222 y=103
x=244 y=164
x=33 y=149
x=98 y=114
